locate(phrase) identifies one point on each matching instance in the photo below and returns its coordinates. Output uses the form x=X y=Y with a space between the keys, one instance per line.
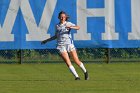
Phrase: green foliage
x=85 y=54
x=125 y=53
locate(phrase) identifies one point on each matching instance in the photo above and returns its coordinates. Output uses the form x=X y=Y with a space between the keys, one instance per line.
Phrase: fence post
x=19 y=55
x=108 y=55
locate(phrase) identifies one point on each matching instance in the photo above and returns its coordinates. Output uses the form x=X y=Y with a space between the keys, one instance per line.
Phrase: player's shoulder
x=57 y=25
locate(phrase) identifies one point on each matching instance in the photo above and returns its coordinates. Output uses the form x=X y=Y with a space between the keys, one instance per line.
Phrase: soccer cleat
x=86 y=76
x=77 y=78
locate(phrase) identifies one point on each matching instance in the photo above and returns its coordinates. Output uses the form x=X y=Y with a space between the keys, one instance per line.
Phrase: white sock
x=83 y=67
x=72 y=69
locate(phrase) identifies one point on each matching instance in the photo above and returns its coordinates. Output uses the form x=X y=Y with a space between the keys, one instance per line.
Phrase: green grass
x=56 y=78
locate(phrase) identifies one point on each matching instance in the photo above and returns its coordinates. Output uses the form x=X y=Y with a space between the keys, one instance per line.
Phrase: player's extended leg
x=79 y=63
x=66 y=58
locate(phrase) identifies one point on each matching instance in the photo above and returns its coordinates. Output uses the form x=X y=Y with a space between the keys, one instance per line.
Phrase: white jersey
x=63 y=34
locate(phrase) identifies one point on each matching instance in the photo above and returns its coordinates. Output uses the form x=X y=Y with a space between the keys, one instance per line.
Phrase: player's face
x=62 y=17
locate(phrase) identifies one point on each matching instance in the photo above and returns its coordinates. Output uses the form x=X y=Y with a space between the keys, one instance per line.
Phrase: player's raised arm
x=73 y=27
x=49 y=39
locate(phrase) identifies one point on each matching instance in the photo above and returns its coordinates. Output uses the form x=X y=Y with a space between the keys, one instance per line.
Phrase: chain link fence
x=85 y=55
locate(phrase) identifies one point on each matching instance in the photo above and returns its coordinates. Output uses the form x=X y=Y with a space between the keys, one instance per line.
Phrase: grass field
x=56 y=78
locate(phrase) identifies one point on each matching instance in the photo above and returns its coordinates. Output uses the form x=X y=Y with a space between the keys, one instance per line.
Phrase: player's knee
x=78 y=62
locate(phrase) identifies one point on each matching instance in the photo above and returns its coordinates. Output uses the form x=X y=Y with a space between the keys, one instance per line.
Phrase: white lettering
x=110 y=33
x=107 y=12
x=6 y=29
x=135 y=34
x=37 y=33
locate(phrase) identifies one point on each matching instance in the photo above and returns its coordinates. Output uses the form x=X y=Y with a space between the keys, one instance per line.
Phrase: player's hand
x=68 y=27
x=44 y=41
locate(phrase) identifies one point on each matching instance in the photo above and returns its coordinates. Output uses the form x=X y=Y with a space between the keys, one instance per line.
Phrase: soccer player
x=65 y=44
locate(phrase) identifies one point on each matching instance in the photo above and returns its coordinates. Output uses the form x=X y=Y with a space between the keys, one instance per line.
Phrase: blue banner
x=103 y=23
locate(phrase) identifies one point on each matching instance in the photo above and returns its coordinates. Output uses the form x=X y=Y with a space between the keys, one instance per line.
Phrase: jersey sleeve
x=70 y=24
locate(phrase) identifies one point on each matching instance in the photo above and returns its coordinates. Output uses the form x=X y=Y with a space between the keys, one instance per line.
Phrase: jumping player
x=65 y=44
